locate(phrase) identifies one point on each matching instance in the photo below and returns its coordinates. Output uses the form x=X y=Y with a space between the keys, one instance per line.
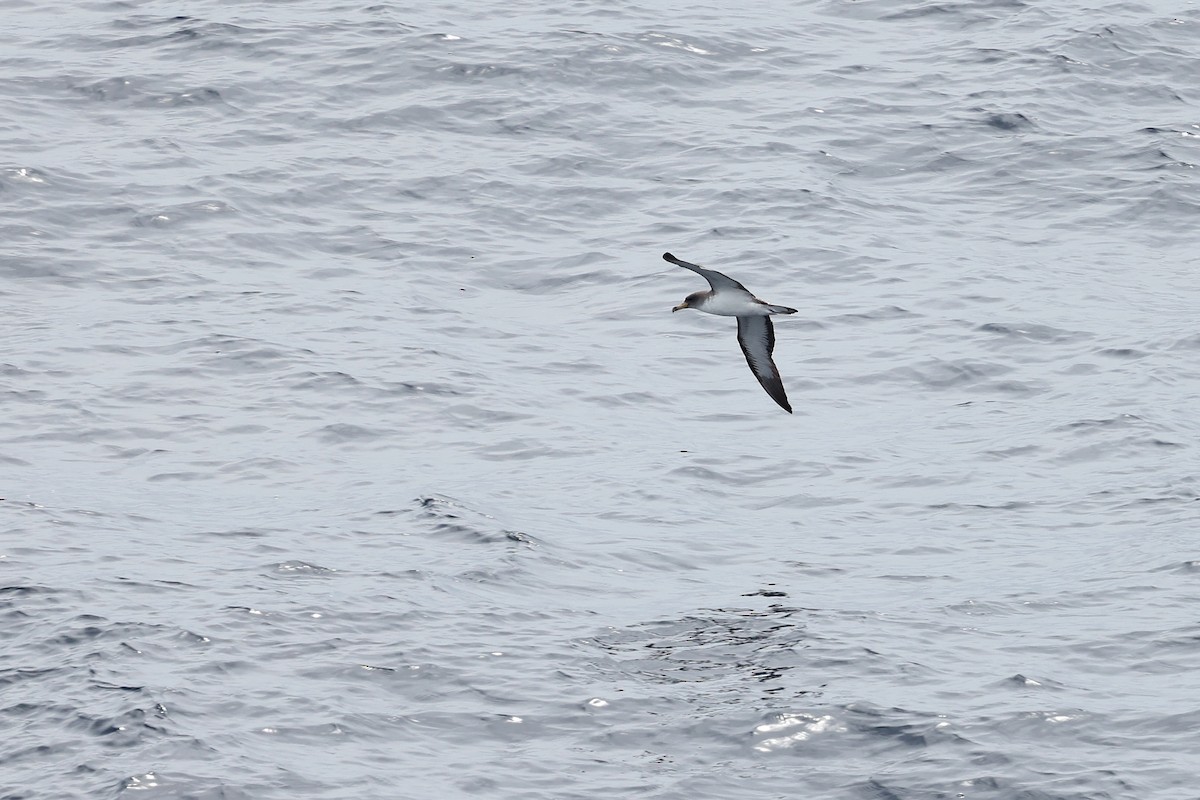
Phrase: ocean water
x=350 y=448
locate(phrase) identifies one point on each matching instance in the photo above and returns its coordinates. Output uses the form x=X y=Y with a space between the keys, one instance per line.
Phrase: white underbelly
x=736 y=306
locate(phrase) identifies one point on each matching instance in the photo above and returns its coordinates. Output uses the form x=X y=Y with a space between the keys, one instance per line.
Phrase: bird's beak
x=679 y=307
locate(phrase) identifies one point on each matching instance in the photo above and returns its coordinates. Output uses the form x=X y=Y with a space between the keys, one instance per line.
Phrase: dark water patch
x=1031 y=332
x=742 y=645
x=447 y=516
x=1008 y=121
x=344 y=432
x=1183 y=567
x=950 y=374
x=883 y=313
x=183 y=214
x=300 y=569
x=1129 y=353
x=522 y=450
x=144 y=93
x=1020 y=681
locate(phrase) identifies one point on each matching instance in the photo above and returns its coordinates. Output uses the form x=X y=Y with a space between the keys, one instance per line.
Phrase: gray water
x=350 y=448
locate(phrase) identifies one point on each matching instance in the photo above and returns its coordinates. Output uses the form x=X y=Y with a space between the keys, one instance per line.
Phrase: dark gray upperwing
x=756 y=335
x=715 y=279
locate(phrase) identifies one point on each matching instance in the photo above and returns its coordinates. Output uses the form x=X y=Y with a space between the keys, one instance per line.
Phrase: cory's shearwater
x=756 y=334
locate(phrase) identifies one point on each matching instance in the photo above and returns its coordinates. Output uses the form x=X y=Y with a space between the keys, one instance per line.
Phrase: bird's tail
x=780 y=309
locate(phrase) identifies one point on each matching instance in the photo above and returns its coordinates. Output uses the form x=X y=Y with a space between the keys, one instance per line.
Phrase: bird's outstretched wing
x=756 y=335
x=715 y=279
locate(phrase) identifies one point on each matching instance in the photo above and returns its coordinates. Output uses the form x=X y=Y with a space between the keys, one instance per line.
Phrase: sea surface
x=349 y=447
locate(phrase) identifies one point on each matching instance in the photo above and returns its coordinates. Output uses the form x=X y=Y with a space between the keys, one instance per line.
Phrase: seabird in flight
x=756 y=334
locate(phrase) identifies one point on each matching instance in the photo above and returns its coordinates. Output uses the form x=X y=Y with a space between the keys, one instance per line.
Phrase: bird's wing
x=715 y=279
x=756 y=335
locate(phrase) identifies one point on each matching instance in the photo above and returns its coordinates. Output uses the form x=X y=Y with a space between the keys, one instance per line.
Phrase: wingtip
x=669 y=257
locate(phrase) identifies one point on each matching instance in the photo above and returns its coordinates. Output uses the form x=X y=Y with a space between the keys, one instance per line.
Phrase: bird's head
x=693 y=300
